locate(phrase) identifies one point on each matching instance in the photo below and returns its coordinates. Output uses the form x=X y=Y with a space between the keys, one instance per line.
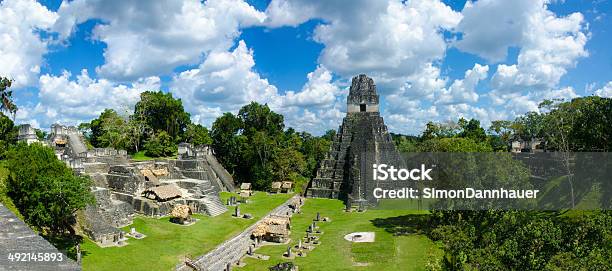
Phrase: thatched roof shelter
x=160 y=172
x=163 y=193
x=278 y=229
x=260 y=230
x=150 y=177
x=245 y=186
x=287 y=185
x=272 y=224
x=60 y=141
x=181 y=211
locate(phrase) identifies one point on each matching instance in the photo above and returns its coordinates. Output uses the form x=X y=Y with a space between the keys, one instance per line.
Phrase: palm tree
x=6 y=97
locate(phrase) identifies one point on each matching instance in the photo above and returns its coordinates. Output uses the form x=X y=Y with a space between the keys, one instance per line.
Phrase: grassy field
x=140 y=156
x=167 y=243
x=388 y=252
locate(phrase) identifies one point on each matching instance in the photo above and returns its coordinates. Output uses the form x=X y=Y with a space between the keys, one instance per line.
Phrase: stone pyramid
x=361 y=141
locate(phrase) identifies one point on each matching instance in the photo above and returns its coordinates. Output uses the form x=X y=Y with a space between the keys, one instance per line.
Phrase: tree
x=6 y=97
x=160 y=145
x=162 y=112
x=529 y=126
x=138 y=129
x=44 y=189
x=471 y=129
x=329 y=135
x=256 y=117
x=500 y=132
x=109 y=130
x=436 y=130
x=225 y=143
x=314 y=150
x=197 y=134
x=8 y=133
x=456 y=144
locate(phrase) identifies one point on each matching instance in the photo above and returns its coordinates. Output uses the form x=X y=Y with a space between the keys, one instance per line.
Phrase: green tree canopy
x=160 y=145
x=197 y=134
x=44 y=189
x=163 y=112
x=8 y=133
x=6 y=96
x=109 y=130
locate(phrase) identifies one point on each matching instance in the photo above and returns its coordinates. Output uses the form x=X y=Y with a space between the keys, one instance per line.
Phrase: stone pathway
x=230 y=251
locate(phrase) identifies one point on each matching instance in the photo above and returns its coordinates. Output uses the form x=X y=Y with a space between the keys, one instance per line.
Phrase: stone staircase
x=214 y=206
x=330 y=175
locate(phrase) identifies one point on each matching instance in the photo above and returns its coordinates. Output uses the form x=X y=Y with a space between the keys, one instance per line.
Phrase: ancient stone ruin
x=361 y=141
x=123 y=188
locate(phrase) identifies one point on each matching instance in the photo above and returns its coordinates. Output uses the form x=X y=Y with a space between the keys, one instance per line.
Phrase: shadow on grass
x=67 y=244
x=406 y=224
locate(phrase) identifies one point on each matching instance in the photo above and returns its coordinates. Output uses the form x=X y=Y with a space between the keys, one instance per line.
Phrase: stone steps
x=214 y=207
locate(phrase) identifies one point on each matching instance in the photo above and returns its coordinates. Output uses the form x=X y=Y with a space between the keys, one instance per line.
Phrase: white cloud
x=490 y=27
x=21 y=47
x=224 y=82
x=550 y=46
x=319 y=90
x=605 y=91
x=144 y=40
x=388 y=40
x=464 y=90
x=68 y=101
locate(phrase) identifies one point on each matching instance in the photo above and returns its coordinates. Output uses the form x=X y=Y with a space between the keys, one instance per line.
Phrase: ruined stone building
x=361 y=141
x=123 y=188
x=27 y=134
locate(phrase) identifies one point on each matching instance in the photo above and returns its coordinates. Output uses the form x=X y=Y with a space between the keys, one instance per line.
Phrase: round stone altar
x=360 y=237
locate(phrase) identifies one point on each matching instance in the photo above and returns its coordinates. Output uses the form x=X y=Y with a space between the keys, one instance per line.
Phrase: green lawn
x=166 y=243
x=140 y=156
x=388 y=252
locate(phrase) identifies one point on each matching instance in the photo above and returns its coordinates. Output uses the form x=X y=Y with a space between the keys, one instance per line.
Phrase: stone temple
x=361 y=141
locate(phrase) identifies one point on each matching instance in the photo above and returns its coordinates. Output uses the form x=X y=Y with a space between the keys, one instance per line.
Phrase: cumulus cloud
x=224 y=82
x=68 y=101
x=464 y=90
x=319 y=90
x=490 y=27
x=550 y=46
x=21 y=46
x=144 y=40
x=605 y=91
x=388 y=40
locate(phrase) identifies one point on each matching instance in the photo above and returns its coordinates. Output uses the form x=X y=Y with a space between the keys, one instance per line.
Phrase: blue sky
x=431 y=60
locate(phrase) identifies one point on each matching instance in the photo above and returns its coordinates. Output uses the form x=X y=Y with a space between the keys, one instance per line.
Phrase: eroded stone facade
x=361 y=141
